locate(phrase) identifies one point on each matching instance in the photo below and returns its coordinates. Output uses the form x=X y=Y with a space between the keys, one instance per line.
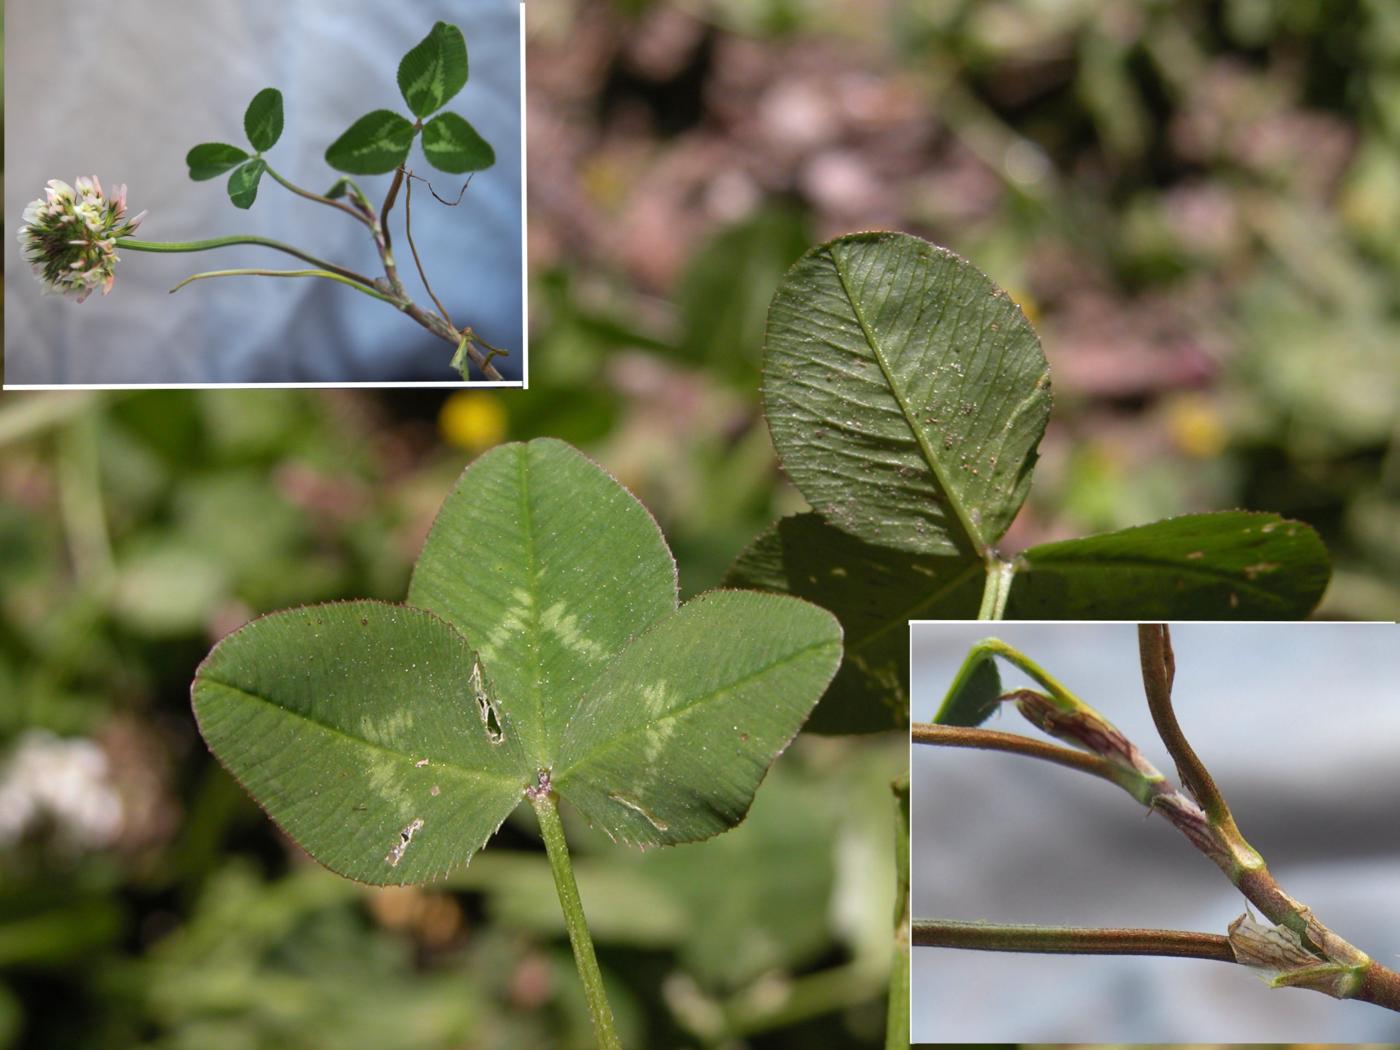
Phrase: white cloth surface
x=122 y=91
x=1300 y=726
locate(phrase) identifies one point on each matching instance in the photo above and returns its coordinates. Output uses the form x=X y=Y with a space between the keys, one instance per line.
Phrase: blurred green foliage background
x=1197 y=203
x=145 y=900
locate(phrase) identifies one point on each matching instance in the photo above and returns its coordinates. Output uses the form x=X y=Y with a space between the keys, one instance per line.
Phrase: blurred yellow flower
x=1023 y=298
x=1196 y=426
x=473 y=420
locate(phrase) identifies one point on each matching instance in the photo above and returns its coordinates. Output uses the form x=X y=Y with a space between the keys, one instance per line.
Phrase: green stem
x=328 y=275
x=557 y=849
x=811 y=995
x=1070 y=940
x=227 y=242
x=897 y=1016
x=978 y=127
x=317 y=197
x=24 y=417
x=997 y=588
x=81 y=503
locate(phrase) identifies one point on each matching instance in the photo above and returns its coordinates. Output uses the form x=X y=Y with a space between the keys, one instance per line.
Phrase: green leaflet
x=874 y=592
x=975 y=693
x=352 y=723
x=390 y=741
x=906 y=393
x=243 y=183
x=209 y=160
x=376 y=143
x=262 y=122
x=708 y=696
x=1231 y=565
x=434 y=70
x=453 y=145
x=550 y=567
x=1182 y=568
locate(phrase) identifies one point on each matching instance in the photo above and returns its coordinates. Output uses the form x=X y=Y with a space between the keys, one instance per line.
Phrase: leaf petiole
x=228 y=242
x=997 y=588
x=543 y=799
x=413 y=248
x=359 y=287
x=897 y=1014
x=317 y=197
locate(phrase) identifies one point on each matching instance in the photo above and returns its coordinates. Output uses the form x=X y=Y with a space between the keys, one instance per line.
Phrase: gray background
x=1299 y=723
x=124 y=90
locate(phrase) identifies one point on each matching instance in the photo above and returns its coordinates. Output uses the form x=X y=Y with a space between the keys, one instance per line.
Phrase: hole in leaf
x=486 y=706
x=405 y=837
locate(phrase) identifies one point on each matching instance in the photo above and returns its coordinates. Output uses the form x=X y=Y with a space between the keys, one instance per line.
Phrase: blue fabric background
x=124 y=90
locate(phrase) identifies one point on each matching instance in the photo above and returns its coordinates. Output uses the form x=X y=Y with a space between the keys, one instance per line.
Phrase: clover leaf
x=432 y=73
x=542 y=644
x=262 y=122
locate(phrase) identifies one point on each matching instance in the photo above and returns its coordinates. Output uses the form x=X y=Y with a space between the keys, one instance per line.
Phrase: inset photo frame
x=1112 y=844
x=334 y=191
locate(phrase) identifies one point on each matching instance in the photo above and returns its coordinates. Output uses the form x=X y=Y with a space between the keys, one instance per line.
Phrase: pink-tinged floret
x=70 y=236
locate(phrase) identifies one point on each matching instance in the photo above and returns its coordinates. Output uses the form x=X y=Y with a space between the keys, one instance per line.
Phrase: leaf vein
x=477 y=774
x=670 y=716
x=921 y=439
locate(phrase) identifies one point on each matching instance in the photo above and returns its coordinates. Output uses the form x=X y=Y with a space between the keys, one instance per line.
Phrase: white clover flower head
x=70 y=236
x=62 y=784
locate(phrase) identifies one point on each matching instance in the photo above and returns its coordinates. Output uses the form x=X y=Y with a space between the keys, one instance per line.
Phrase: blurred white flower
x=70 y=236
x=63 y=783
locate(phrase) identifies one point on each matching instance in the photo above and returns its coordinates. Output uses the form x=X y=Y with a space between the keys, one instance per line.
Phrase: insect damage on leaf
x=405 y=837
x=484 y=704
x=637 y=807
